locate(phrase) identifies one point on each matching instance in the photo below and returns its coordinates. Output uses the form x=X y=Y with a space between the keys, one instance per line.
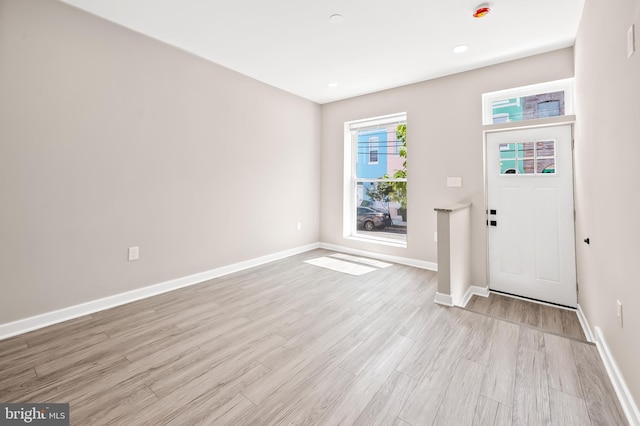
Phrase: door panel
x=509 y=207
x=547 y=250
x=530 y=187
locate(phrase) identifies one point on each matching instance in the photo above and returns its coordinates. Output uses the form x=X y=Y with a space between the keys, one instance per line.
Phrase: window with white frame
x=375 y=190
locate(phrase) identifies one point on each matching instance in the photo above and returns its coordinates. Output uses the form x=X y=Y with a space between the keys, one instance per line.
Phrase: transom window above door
x=552 y=99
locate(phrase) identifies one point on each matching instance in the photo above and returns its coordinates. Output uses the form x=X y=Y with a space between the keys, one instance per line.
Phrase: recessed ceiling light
x=332 y=85
x=336 y=18
x=460 y=49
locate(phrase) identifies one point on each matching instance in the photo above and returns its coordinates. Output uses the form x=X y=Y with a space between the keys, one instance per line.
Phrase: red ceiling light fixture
x=482 y=11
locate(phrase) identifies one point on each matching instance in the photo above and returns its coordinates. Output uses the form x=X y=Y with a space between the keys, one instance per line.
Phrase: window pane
x=380 y=211
x=508 y=167
x=541 y=105
x=507 y=158
x=507 y=150
x=546 y=165
x=525 y=150
x=372 y=152
x=546 y=149
x=528 y=167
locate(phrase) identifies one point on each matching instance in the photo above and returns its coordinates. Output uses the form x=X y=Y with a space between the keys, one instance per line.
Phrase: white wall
x=607 y=150
x=109 y=139
x=444 y=138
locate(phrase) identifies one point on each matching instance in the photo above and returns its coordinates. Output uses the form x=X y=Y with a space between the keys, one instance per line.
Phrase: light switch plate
x=134 y=253
x=454 y=182
x=631 y=42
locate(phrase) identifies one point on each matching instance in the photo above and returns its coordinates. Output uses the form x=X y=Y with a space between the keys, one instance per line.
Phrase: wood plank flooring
x=563 y=322
x=291 y=343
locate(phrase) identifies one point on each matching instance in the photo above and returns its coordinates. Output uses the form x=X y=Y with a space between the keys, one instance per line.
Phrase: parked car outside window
x=370 y=219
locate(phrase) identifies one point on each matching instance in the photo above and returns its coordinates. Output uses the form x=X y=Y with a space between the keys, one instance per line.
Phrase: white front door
x=530 y=214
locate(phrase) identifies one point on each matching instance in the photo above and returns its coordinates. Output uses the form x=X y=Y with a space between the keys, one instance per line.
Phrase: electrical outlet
x=299 y=226
x=631 y=42
x=619 y=305
x=134 y=253
x=435 y=236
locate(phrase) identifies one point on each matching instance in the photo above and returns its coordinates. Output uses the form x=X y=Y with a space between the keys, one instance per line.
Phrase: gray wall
x=444 y=138
x=109 y=139
x=607 y=150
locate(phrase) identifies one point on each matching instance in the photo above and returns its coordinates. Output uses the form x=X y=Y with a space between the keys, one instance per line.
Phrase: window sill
x=377 y=240
x=538 y=122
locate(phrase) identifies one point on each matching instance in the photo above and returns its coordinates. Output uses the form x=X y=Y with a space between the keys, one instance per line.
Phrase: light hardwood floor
x=563 y=322
x=292 y=343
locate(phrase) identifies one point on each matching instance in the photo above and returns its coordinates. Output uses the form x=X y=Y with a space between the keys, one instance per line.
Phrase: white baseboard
x=617 y=380
x=471 y=291
x=444 y=299
x=43 y=320
x=394 y=259
x=585 y=324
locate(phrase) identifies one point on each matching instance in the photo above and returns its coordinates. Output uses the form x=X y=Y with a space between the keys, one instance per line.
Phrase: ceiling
x=291 y=44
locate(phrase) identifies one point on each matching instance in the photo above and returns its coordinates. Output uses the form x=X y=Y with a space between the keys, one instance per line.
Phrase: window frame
x=351 y=181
